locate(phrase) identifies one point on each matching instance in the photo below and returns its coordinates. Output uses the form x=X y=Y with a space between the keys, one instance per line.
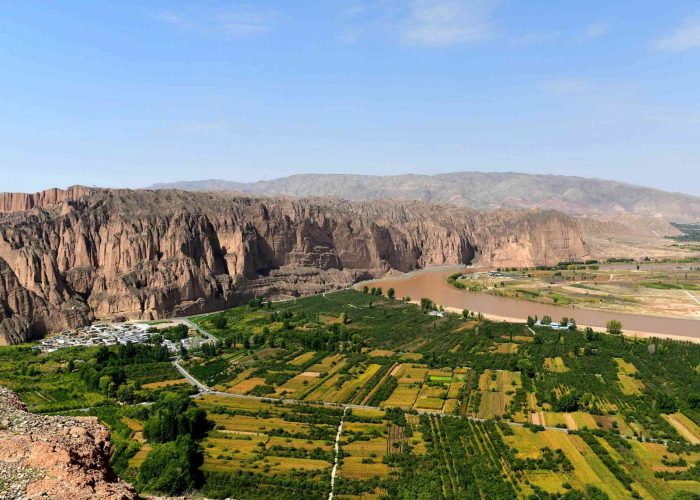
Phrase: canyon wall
x=68 y=257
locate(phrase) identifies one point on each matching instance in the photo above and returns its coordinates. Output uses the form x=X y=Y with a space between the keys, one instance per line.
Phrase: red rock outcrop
x=67 y=257
x=54 y=457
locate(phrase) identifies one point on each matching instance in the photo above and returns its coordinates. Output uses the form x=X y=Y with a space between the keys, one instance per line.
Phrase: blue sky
x=130 y=93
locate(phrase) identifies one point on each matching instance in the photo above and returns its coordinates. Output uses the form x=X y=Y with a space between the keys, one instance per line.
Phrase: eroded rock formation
x=54 y=457
x=68 y=257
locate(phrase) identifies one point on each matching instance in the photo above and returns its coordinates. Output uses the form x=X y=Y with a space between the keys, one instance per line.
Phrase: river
x=432 y=283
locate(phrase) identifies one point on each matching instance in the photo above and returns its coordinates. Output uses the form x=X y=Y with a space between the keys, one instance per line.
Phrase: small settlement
x=113 y=334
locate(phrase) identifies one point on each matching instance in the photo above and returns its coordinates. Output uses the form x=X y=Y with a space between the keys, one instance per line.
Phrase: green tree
x=390 y=293
x=171 y=468
x=220 y=322
x=614 y=327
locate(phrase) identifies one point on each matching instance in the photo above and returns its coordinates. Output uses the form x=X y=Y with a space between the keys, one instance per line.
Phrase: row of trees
x=174 y=427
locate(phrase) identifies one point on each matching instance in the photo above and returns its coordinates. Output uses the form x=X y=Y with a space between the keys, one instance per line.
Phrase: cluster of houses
x=556 y=326
x=113 y=334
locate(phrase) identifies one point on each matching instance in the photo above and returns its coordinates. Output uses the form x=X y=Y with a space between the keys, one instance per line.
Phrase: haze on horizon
x=129 y=94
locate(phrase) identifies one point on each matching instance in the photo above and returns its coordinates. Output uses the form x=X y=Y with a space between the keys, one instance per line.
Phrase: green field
x=422 y=379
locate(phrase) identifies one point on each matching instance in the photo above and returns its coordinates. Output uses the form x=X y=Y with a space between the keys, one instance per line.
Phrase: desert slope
x=68 y=257
x=573 y=195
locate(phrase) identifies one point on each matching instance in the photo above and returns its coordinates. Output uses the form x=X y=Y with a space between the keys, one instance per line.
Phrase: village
x=117 y=333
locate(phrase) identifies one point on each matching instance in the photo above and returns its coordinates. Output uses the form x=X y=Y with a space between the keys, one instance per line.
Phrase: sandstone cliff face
x=68 y=257
x=54 y=457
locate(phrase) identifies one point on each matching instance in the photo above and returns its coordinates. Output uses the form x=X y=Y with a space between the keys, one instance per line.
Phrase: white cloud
x=685 y=37
x=240 y=22
x=595 y=30
x=438 y=23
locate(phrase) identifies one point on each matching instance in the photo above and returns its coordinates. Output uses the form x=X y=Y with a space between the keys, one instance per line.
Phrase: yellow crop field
x=245 y=423
x=625 y=367
x=455 y=389
x=325 y=390
x=368 y=413
x=552 y=419
x=364 y=427
x=353 y=468
x=551 y=482
x=302 y=358
x=555 y=365
x=450 y=407
x=136 y=461
x=240 y=378
x=132 y=424
x=584 y=420
x=302 y=444
x=429 y=403
x=411 y=356
x=443 y=372
x=492 y=404
x=505 y=348
x=378 y=353
x=165 y=383
x=630 y=385
x=344 y=394
x=298 y=383
x=403 y=396
x=499 y=380
x=373 y=447
x=413 y=373
x=526 y=442
x=290 y=464
x=209 y=401
x=246 y=385
x=685 y=427
x=327 y=363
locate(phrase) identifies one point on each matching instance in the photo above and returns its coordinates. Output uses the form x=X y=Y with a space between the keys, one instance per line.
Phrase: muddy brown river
x=432 y=283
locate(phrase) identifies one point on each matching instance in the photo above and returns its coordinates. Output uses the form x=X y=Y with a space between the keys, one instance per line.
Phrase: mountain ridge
x=574 y=195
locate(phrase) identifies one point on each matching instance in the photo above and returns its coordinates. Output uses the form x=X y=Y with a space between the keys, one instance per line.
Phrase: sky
x=130 y=93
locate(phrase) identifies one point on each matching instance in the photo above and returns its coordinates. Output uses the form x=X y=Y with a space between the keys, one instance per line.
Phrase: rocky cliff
x=68 y=257
x=54 y=457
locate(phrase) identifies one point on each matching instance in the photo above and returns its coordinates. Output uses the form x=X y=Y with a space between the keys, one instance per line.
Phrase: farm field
x=621 y=414
x=635 y=289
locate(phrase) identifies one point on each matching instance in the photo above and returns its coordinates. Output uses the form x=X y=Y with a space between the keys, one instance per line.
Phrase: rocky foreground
x=54 y=457
x=68 y=257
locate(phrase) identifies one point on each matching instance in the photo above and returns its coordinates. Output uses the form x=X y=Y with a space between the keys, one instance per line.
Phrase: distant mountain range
x=573 y=195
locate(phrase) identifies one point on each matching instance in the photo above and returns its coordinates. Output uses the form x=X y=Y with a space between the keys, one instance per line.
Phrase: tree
x=171 y=468
x=614 y=327
x=530 y=321
x=220 y=322
x=665 y=403
x=106 y=385
x=390 y=293
x=126 y=392
x=465 y=313
x=546 y=320
x=526 y=366
x=365 y=289
x=426 y=304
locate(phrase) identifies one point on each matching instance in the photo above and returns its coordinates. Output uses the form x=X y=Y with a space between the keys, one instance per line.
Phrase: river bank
x=432 y=283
